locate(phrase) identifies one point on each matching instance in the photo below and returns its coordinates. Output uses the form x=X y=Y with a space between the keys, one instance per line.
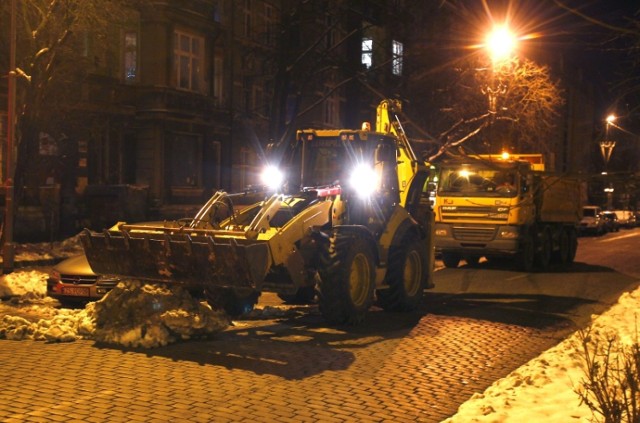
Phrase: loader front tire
x=347 y=273
x=234 y=302
x=406 y=277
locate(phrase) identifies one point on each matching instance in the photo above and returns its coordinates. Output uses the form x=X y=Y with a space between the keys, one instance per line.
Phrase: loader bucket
x=196 y=261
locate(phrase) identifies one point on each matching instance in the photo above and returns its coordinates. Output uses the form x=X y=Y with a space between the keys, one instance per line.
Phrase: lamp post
x=500 y=44
x=607 y=145
x=8 y=250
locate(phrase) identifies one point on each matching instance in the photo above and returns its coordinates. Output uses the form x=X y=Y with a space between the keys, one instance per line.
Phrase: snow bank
x=544 y=388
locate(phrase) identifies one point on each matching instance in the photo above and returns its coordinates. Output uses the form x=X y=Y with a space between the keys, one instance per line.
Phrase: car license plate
x=76 y=291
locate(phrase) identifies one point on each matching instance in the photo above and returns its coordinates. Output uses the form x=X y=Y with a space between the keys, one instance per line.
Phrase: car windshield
x=589 y=212
x=483 y=182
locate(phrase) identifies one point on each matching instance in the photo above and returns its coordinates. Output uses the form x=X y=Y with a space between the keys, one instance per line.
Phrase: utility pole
x=8 y=250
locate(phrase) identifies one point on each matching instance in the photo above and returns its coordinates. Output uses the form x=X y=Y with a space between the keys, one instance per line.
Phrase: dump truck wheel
x=451 y=260
x=406 y=277
x=543 y=255
x=573 y=245
x=525 y=257
x=562 y=254
x=345 y=291
x=233 y=302
x=304 y=295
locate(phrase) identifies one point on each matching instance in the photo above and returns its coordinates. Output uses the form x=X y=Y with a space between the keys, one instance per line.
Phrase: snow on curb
x=544 y=388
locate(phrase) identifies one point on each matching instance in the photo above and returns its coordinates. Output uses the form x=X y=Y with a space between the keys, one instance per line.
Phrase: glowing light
x=272 y=177
x=500 y=43
x=505 y=155
x=364 y=180
x=611 y=118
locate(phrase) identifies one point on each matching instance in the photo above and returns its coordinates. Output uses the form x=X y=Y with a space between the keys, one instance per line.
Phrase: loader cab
x=359 y=162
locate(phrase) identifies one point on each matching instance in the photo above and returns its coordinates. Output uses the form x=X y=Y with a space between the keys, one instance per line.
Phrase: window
x=247 y=18
x=397 y=51
x=367 y=52
x=269 y=38
x=188 y=56
x=217 y=11
x=218 y=77
x=329 y=40
x=185 y=160
x=130 y=56
x=332 y=110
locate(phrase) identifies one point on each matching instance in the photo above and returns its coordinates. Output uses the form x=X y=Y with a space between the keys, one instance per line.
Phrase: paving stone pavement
x=415 y=367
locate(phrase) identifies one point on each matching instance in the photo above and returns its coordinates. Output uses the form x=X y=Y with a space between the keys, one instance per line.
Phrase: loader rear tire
x=347 y=280
x=406 y=277
x=234 y=302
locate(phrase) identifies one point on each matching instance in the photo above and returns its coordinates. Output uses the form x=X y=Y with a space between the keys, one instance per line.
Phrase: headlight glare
x=364 y=180
x=272 y=177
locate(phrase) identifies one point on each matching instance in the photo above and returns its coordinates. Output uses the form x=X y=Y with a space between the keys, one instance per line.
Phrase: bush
x=611 y=388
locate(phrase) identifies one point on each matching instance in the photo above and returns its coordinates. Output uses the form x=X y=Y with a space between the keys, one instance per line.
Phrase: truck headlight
x=364 y=180
x=508 y=232
x=272 y=177
x=442 y=230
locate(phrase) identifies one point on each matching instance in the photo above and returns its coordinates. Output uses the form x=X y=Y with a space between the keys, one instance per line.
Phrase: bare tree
x=56 y=45
x=487 y=107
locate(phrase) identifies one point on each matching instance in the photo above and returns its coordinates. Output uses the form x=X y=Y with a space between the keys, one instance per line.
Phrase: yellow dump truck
x=506 y=206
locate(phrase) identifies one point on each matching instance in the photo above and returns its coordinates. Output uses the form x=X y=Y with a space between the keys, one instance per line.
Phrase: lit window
x=398 y=51
x=367 y=52
x=188 y=58
x=130 y=56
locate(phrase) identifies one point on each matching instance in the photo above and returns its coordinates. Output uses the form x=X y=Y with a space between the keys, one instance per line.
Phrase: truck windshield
x=478 y=182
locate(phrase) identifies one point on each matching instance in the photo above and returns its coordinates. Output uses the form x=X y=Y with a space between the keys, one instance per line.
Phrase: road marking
x=516 y=277
x=618 y=237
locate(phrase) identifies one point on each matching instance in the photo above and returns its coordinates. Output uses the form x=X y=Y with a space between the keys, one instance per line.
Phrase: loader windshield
x=478 y=182
x=329 y=161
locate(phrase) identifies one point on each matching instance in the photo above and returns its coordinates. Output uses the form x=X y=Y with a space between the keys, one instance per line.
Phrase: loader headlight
x=272 y=177
x=364 y=180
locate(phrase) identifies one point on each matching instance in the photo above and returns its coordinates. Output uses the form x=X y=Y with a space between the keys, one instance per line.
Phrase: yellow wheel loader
x=350 y=222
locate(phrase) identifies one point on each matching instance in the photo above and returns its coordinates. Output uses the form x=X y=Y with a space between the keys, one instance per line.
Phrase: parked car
x=611 y=222
x=73 y=281
x=592 y=221
x=625 y=217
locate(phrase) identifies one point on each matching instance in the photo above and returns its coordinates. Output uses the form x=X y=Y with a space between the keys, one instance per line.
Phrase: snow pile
x=48 y=251
x=26 y=285
x=133 y=314
x=544 y=388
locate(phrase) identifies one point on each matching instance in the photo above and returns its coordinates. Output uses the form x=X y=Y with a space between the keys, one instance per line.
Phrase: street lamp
x=500 y=43
x=607 y=145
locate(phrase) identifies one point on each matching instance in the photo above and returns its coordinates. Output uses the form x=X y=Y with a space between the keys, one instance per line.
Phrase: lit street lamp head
x=500 y=43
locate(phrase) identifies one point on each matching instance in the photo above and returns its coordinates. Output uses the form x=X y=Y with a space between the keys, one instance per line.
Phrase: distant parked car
x=625 y=217
x=611 y=222
x=73 y=281
x=592 y=221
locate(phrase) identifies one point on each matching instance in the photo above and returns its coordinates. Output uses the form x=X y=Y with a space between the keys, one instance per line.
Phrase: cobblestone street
x=397 y=367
